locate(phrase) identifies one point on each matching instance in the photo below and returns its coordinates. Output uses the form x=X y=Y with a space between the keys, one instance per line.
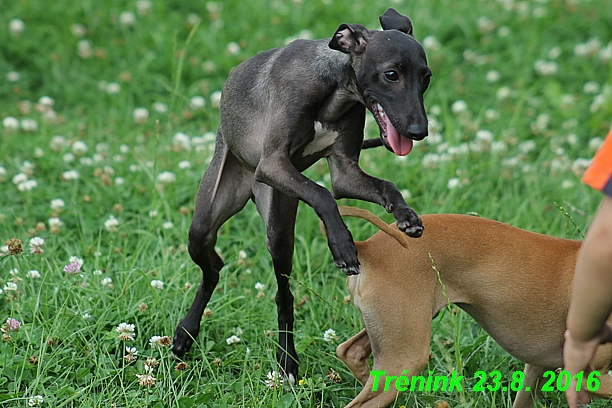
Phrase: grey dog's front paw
x=410 y=224
x=344 y=252
x=349 y=270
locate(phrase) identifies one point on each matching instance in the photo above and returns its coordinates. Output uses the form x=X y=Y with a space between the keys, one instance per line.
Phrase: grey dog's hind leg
x=278 y=211
x=224 y=190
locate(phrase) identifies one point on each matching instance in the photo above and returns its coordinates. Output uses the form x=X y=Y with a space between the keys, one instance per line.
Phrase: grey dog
x=283 y=110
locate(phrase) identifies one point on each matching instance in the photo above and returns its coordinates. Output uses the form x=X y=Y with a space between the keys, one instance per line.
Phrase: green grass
x=67 y=348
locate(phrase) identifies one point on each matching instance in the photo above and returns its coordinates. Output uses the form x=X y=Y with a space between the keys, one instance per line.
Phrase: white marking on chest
x=323 y=138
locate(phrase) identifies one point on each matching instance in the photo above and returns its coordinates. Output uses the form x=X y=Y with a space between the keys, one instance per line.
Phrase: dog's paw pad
x=414 y=231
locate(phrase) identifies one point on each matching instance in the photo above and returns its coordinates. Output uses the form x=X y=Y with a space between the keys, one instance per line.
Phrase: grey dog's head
x=392 y=76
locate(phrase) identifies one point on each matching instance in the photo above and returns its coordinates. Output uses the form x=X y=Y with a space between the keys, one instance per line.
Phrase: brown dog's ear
x=392 y=20
x=350 y=39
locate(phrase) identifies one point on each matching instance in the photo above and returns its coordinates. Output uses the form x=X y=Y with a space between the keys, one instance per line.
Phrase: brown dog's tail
x=399 y=236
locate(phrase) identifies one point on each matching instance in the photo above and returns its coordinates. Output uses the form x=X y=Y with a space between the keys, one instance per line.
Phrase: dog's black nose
x=417 y=132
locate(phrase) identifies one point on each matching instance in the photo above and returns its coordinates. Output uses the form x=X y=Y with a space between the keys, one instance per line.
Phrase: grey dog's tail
x=399 y=236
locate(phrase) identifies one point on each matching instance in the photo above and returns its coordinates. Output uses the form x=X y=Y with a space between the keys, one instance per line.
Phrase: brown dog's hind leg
x=533 y=380
x=355 y=353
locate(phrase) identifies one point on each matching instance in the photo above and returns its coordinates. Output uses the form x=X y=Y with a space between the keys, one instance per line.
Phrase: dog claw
x=350 y=270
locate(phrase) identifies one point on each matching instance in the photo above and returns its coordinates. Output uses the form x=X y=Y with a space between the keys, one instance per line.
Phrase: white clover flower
x=168 y=225
x=16 y=26
x=275 y=380
x=111 y=224
x=102 y=147
x=78 y=30
x=406 y=194
x=453 y=183
x=86 y=161
x=493 y=76
x=153 y=213
x=46 y=101
x=34 y=274
x=580 y=165
x=10 y=123
x=484 y=136
x=35 y=401
x=4 y=250
x=605 y=54
x=565 y=184
x=154 y=341
x=242 y=254
x=233 y=48
x=197 y=102
x=160 y=107
x=431 y=43
x=546 y=68
x=68 y=158
x=159 y=341
x=157 y=284
x=127 y=18
x=181 y=141
x=106 y=281
x=75 y=259
x=57 y=204
x=459 y=106
x=113 y=88
x=36 y=244
x=29 y=125
x=330 y=335
x=215 y=99
x=126 y=331
x=57 y=143
x=70 y=175
x=527 y=146
x=38 y=152
x=20 y=178
x=184 y=164
x=595 y=143
x=503 y=93
x=79 y=147
x=588 y=48
x=119 y=181
x=13 y=76
x=27 y=167
x=498 y=146
x=140 y=115
x=143 y=7
x=260 y=286
x=232 y=339
x=554 y=52
x=166 y=177
x=123 y=148
x=10 y=286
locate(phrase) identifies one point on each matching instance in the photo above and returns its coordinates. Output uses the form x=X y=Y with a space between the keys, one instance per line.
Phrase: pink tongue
x=400 y=145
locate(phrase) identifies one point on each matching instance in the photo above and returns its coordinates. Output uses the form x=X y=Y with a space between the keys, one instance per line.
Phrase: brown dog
x=516 y=284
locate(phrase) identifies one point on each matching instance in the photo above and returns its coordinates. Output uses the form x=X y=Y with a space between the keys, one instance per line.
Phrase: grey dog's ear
x=392 y=20
x=350 y=38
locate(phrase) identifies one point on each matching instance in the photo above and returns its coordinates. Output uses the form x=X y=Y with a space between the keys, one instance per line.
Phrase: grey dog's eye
x=391 y=75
